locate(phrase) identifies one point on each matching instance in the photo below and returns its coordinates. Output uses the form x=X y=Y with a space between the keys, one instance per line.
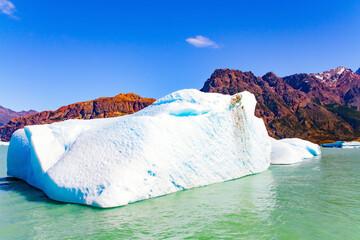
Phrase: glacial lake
x=316 y=199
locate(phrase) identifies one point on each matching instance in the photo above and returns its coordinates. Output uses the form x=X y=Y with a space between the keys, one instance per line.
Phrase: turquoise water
x=316 y=199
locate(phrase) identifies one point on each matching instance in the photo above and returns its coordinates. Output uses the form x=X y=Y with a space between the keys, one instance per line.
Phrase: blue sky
x=54 y=53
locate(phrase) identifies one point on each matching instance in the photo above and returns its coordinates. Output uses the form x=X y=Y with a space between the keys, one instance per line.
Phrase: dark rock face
x=298 y=105
x=358 y=71
x=105 y=107
x=7 y=114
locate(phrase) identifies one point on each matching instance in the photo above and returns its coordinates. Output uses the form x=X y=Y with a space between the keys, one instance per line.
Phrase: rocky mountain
x=317 y=107
x=339 y=85
x=358 y=71
x=7 y=114
x=104 y=107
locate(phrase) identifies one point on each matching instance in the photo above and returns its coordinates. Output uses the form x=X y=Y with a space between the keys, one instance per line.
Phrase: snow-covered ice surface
x=292 y=150
x=4 y=143
x=186 y=139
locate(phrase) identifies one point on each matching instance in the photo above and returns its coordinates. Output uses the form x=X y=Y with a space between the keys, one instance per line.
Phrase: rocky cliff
x=317 y=107
x=104 y=107
x=7 y=114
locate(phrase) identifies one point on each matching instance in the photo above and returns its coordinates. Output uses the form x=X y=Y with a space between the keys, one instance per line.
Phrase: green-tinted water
x=316 y=199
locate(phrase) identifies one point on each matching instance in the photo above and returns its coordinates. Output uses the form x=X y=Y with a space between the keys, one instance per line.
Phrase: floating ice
x=184 y=140
x=337 y=144
x=283 y=153
x=353 y=144
x=342 y=144
x=292 y=150
x=4 y=143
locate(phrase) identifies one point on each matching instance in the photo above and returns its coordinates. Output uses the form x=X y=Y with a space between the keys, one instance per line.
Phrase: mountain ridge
x=103 y=107
x=318 y=107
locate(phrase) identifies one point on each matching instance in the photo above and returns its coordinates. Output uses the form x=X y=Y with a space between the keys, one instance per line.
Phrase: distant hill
x=7 y=114
x=318 y=107
x=104 y=107
x=358 y=71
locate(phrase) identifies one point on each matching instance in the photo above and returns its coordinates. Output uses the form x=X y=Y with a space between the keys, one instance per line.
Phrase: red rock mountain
x=339 y=85
x=7 y=114
x=104 y=107
x=317 y=107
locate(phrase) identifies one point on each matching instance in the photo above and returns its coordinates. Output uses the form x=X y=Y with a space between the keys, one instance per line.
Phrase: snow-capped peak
x=335 y=72
x=332 y=76
x=339 y=70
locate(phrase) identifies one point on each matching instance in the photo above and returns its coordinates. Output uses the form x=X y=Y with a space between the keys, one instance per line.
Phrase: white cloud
x=7 y=7
x=202 y=42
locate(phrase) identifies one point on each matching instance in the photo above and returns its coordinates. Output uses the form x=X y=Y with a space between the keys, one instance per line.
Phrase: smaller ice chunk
x=306 y=149
x=292 y=150
x=353 y=144
x=337 y=144
x=4 y=143
x=283 y=153
x=342 y=144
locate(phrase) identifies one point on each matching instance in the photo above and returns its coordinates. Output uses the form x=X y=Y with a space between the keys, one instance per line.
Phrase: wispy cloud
x=7 y=7
x=202 y=42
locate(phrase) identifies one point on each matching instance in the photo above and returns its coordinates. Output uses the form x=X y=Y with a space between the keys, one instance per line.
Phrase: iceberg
x=353 y=144
x=292 y=150
x=337 y=144
x=342 y=144
x=4 y=143
x=184 y=140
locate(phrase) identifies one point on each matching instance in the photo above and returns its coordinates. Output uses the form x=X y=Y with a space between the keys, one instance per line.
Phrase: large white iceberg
x=292 y=150
x=184 y=140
